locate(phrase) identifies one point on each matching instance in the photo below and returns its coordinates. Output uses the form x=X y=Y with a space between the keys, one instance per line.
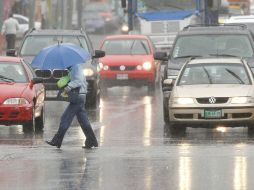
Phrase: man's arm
x=3 y=29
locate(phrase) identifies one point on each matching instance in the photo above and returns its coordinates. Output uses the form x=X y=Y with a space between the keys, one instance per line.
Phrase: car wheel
x=39 y=121
x=251 y=130
x=29 y=125
x=176 y=128
x=165 y=110
x=104 y=89
x=151 y=87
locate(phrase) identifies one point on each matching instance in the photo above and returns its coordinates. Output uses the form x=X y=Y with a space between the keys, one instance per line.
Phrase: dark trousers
x=10 y=40
x=77 y=109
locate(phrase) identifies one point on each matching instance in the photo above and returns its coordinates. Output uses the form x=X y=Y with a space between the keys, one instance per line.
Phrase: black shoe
x=89 y=144
x=53 y=144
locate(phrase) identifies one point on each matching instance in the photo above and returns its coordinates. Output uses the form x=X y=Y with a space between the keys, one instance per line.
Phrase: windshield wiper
x=6 y=79
x=223 y=55
x=208 y=76
x=235 y=75
x=187 y=56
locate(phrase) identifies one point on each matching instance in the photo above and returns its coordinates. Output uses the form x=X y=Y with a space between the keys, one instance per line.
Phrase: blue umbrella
x=60 y=56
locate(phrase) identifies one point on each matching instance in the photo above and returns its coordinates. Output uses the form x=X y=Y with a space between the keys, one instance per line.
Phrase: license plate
x=122 y=76
x=51 y=93
x=212 y=114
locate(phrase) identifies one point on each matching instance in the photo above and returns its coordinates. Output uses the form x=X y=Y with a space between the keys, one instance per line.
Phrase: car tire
x=151 y=86
x=94 y=98
x=176 y=128
x=104 y=89
x=251 y=130
x=165 y=110
x=39 y=121
x=28 y=127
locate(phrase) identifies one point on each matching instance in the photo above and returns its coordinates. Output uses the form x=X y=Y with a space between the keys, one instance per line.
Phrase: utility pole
x=31 y=13
x=80 y=10
x=1 y=13
x=130 y=14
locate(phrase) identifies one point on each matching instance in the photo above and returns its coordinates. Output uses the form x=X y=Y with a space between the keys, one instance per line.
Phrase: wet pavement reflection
x=136 y=151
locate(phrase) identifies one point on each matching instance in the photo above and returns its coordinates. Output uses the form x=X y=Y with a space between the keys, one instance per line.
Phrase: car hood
x=28 y=59
x=230 y=90
x=125 y=59
x=12 y=90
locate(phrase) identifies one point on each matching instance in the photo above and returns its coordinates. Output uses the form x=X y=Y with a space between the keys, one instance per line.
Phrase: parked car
x=129 y=61
x=39 y=39
x=203 y=41
x=22 y=95
x=24 y=25
x=210 y=92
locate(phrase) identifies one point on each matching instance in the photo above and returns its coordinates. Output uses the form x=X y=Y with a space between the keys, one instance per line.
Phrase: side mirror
x=11 y=52
x=98 y=54
x=37 y=80
x=160 y=56
x=168 y=84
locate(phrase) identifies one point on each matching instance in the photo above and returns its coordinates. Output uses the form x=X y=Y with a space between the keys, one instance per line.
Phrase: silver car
x=212 y=91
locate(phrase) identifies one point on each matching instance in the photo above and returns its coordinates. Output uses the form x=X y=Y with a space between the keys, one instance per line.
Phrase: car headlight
x=183 y=101
x=18 y=101
x=105 y=67
x=147 y=65
x=172 y=73
x=125 y=28
x=88 y=72
x=242 y=100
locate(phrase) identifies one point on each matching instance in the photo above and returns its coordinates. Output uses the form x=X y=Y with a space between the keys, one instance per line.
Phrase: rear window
x=13 y=71
x=206 y=45
x=126 y=47
x=33 y=44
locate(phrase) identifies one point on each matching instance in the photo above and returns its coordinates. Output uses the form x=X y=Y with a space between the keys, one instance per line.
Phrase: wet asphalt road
x=136 y=151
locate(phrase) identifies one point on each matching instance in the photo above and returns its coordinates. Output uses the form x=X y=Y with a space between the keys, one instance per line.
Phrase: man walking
x=76 y=107
x=9 y=29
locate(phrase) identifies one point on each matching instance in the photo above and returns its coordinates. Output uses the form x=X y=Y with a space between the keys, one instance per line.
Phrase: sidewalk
x=3 y=45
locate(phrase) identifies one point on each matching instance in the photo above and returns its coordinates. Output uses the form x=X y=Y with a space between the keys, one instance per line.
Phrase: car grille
x=127 y=68
x=46 y=74
x=43 y=73
x=11 y=115
x=219 y=100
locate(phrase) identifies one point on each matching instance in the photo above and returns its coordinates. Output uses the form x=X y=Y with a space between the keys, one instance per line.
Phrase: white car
x=24 y=25
x=212 y=91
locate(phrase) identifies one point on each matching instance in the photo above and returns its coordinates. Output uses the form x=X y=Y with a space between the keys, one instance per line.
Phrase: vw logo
x=122 y=67
x=212 y=100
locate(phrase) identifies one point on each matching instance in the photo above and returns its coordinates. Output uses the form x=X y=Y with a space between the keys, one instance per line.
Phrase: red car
x=128 y=61
x=22 y=95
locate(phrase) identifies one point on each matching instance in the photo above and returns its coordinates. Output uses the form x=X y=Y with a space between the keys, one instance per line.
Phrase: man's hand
x=67 y=89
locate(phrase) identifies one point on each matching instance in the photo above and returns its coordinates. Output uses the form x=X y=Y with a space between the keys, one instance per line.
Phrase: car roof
x=127 y=36
x=56 y=32
x=9 y=59
x=218 y=29
x=215 y=60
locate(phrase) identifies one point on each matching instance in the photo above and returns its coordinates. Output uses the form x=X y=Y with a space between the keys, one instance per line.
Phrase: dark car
x=205 y=41
x=22 y=95
x=35 y=40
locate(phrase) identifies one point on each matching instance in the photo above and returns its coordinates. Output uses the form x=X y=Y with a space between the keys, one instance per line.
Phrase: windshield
x=218 y=73
x=12 y=72
x=33 y=44
x=126 y=47
x=205 y=45
x=160 y=5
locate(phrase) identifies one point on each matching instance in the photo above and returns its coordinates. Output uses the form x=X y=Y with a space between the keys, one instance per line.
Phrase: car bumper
x=195 y=117
x=127 y=77
x=10 y=115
